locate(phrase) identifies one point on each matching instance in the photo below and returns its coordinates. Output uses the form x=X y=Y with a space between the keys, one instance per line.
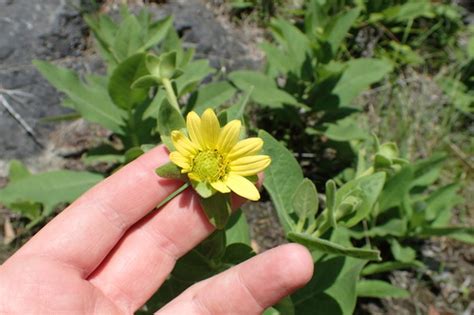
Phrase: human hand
x=106 y=254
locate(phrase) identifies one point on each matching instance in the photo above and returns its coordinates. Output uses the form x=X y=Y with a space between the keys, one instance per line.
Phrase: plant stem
x=170 y=93
x=172 y=195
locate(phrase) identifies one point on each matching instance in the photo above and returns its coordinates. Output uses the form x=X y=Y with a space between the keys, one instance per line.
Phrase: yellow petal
x=245 y=147
x=183 y=144
x=210 y=128
x=178 y=159
x=193 y=123
x=249 y=165
x=242 y=187
x=221 y=187
x=229 y=136
x=194 y=176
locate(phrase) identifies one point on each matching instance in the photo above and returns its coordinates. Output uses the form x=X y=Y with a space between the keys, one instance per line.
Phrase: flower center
x=209 y=165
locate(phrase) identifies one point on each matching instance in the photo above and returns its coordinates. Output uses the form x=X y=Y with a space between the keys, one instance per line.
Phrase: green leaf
x=27 y=209
x=145 y=82
x=332 y=290
x=305 y=200
x=193 y=73
x=282 y=177
x=400 y=253
x=90 y=99
x=427 y=171
x=293 y=42
x=367 y=189
x=346 y=129
x=128 y=40
x=283 y=307
x=120 y=84
x=169 y=119
x=375 y=268
x=237 y=253
x=325 y=246
x=49 y=189
x=211 y=95
x=446 y=231
x=167 y=65
x=380 y=289
x=170 y=170
x=338 y=28
x=132 y=153
x=358 y=76
x=237 y=229
x=394 y=227
x=440 y=203
x=157 y=32
x=217 y=208
x=17 y=170
x=265 y=91
x=396 y=188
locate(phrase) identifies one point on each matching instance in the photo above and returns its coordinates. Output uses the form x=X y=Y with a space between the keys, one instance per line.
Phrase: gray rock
x=48 y=29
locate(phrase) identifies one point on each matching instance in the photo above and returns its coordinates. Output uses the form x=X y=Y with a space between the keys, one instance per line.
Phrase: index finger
x=86 y=231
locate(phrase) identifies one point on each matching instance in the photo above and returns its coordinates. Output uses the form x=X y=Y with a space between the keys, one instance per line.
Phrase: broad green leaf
x=325 y=246
x=283 y=307
x=27 y=209
x=237 y=253
x=169 y=119
x=88 y=98
x=17 y=170
x=396 y=188
x=294 y=42
x=332 y=290
x=427 y=171
x=440 y=203
x=154 y=107
x=338 y=28
x=128 y=40
x=193 y=73
x=132 y=153
x=237 y=229
x=121 y=80
x=305 y=200
x=49 y=189
x=346 y=129
x=167 y=65
x=379 y=289
x=211 y=95
x=265 y=91
x=359 y=75
x=218 y=209
x=157 y=32
x=282 y=177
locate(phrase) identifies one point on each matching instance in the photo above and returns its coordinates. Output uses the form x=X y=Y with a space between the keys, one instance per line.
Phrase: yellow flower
x=215 y=157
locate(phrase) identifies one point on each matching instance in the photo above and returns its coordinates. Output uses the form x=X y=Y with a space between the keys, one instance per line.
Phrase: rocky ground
x=54 y=30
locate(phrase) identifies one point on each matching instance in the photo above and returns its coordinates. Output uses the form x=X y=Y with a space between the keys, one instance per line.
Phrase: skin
x=107 y=254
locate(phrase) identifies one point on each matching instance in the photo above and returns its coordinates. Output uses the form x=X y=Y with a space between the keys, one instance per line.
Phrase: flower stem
x=170 y=93
x=172 y=195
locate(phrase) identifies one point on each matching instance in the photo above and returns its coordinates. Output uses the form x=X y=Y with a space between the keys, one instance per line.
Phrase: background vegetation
x=365 y=107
